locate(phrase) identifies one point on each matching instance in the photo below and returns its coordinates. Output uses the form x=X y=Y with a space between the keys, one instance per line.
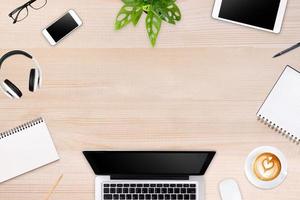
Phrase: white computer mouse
x=229 y=190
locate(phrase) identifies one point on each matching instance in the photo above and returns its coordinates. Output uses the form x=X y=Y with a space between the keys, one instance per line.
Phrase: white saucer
x=265 y=184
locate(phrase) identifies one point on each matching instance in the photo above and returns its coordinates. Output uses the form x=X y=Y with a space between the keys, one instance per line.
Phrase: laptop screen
x=149 y=162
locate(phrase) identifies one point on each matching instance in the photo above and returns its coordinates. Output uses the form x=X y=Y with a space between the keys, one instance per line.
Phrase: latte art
x=266 y=166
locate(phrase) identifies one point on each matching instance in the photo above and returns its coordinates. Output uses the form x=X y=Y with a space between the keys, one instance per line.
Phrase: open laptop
x=145 y=175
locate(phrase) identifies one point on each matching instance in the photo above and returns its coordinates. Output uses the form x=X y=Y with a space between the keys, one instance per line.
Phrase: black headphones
x=35 y=76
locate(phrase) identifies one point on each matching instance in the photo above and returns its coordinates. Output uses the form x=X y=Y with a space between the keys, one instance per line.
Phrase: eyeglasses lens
x=20 y=15
x=38 y=4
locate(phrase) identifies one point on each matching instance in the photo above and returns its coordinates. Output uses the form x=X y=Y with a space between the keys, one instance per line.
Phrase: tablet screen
x=260 y=13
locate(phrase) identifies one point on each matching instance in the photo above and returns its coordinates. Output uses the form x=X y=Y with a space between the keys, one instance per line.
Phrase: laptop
x=145 y=175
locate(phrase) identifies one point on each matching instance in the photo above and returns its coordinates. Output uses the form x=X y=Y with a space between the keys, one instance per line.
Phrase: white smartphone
x=62 y=27
x=264 y=15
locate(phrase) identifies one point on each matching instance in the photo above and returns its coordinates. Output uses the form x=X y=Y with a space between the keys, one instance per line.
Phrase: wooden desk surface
x=199 y=89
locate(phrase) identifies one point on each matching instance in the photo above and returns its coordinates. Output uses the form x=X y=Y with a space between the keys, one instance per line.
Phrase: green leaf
x=169 y=13
x=145 y=2
x=129 y=1
x=147 y=7
x=153 y=24
x=174 y=11
x=132 y=2
x=137 y=15
x=165 y=2
x=124 y=16
x=163 y=14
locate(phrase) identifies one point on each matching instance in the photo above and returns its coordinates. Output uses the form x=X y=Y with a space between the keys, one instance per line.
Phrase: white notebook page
x=282 y=106
x=26 y=150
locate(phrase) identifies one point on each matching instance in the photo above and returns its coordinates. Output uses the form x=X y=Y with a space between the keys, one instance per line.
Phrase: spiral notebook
x=24 y=148
x=281 y=109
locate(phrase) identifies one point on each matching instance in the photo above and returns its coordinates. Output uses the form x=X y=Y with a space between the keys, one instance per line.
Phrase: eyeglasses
x=21 y=12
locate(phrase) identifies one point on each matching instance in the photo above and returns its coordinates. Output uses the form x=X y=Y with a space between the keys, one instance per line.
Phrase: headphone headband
x=12 y=53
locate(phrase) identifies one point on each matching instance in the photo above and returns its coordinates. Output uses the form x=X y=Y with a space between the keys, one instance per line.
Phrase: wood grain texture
x=199 y=89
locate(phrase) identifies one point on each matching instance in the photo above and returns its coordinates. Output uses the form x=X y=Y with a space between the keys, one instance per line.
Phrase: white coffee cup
x=250 y=168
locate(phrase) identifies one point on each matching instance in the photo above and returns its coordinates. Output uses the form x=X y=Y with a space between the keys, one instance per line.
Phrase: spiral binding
x=278 y=129
x=20 y=128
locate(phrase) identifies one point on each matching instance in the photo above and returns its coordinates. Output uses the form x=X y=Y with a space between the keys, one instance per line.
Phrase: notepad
x=281 y=109
x=24 y=148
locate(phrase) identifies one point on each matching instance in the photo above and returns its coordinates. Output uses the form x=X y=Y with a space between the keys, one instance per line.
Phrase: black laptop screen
x=149 y=163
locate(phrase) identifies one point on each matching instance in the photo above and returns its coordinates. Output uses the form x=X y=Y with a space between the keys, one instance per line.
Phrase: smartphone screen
x=62 y=27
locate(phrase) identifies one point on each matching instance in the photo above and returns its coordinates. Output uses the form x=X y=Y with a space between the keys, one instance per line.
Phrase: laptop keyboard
x=153 y=191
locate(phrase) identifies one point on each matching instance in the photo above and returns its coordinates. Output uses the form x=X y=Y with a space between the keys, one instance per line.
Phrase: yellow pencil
x=53 y=187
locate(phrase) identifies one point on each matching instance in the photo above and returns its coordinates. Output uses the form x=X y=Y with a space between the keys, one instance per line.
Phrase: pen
x=53 y=187
x=287 y=50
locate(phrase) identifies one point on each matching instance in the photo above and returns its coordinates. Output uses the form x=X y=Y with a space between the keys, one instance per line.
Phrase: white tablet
x=265 y=15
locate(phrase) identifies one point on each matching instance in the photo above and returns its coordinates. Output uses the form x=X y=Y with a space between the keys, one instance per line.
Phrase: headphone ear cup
x=33 y=80
x=4 y=89
x=39 y=79
x=12 y=89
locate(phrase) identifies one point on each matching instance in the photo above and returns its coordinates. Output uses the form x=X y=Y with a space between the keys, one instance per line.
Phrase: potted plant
x=156 y=10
